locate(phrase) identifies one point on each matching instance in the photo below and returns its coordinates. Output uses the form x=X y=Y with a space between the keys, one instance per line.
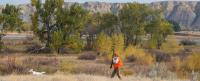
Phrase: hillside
x=186 y=13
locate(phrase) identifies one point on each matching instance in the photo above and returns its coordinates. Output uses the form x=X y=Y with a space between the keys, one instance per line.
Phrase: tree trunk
x=48 y=36
x=136 y=40
x=58 y=50
x=159 y=44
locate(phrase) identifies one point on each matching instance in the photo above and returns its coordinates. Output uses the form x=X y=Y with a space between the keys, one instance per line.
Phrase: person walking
x=117 y=63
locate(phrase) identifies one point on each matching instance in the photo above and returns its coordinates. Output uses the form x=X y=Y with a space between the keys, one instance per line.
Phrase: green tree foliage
x=26 y=27
x=109 y=24
x=51 y=16
x=134 y=18
x=1 y=18
x=11 y=18
x=94 y=19
x=44 y=16
x=57 y=40
x=138 y=21
x=72 y=26
x=72 y=20
x=1 y=43
x=74 y=44
x=158 y=30
x=91 y=29
x=103 y=44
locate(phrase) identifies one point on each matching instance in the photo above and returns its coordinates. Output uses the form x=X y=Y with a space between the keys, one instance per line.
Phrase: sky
x=81 y=1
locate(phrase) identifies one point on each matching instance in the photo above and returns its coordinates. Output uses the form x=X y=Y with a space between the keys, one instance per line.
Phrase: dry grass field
x=15 y=62
x=70 y=68
x=80 y=77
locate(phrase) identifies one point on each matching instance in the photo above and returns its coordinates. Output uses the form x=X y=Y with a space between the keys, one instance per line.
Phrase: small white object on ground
x=36 y=73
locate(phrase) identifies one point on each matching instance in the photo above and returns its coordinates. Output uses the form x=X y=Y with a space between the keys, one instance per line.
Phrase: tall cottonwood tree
x=76 y=20
x=44 y=16
x=138 y=20
x=91 y=28
x=10 y=18
x=134 y=17
x=52 y=17
x=158 y=30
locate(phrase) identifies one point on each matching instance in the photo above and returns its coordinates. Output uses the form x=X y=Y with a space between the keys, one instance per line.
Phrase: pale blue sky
x=113 y=1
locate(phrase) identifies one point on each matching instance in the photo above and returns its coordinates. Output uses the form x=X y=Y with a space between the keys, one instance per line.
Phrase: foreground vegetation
x=73 y=65
x=142 y=38
x=81 y=77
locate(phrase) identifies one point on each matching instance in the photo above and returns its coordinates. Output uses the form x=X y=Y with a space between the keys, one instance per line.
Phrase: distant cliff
x=186 y=13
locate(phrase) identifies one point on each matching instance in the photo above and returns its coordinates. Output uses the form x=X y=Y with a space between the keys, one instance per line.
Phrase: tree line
x=59 y=27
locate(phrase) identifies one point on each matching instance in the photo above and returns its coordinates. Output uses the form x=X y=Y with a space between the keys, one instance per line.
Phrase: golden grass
x=80 y=77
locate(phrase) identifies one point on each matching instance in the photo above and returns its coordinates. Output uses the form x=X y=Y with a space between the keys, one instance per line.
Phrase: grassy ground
x=80 y=77
x=68 y=67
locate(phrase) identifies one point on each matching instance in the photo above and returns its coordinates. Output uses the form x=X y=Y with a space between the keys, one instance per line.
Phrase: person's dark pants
x=116 y=71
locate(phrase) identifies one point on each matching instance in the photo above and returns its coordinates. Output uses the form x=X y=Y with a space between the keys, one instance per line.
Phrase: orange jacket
x=118 y=65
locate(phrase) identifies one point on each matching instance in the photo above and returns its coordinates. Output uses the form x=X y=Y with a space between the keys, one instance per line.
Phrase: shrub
x=127 y=72
x=87 y=57
x=11 y=65
x=1 y=46
x=188 y=42
x=23 y=65
x=103 y=44
x=26 y=27
x=49 y=65
x=33 y=48
x=162 y=57
x=192 y=62
x=131 y=58
x=1 y=43
x=147 y=60
x=171 y=46
x=160 y=70
x=159 y=55
x=177 y=64
x=151 y=43
x=138 y=54
x=66 y=66
x=74 y=44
